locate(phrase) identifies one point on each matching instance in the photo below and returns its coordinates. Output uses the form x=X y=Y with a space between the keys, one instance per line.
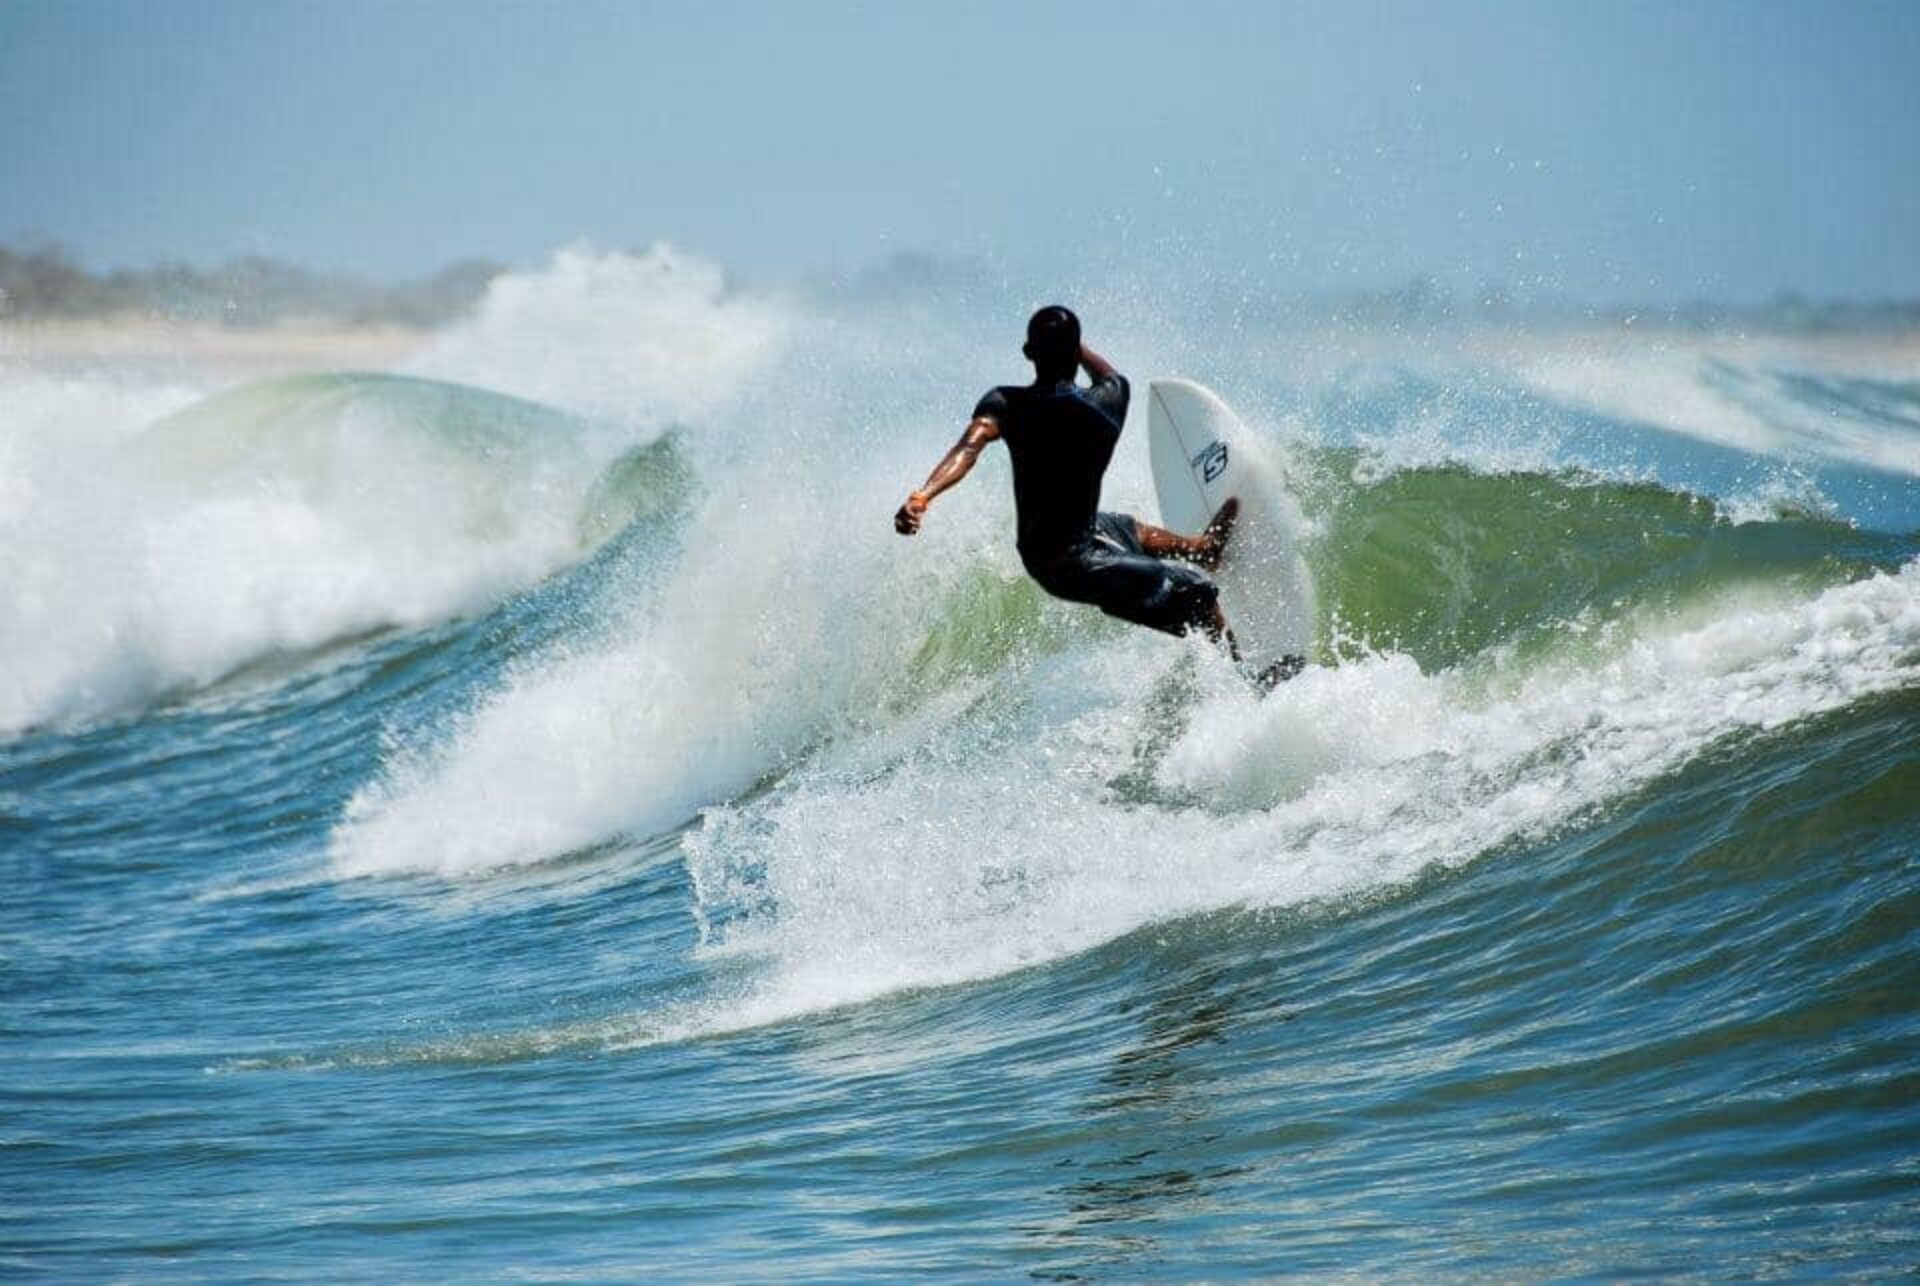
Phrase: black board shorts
x=1111 y=571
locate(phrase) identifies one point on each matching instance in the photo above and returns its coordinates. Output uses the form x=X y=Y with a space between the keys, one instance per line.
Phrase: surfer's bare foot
x=1218 y=533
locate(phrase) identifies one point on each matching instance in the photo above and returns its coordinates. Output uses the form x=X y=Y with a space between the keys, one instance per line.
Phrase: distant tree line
x=43 y=283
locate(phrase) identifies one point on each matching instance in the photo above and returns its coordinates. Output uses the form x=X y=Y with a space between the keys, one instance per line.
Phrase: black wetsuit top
x=1061 y=437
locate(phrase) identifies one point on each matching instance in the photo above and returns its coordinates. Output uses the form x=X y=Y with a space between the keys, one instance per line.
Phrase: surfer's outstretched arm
x=952 y=467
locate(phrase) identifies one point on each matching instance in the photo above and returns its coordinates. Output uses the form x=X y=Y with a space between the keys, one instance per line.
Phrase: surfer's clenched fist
x=907 y=521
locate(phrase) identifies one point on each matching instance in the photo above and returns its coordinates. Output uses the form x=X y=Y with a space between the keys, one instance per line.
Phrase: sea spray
x=154 y=558
x=962 y=865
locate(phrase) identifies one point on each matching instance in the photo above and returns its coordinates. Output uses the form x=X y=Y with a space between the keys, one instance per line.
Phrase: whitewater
x=527 y=808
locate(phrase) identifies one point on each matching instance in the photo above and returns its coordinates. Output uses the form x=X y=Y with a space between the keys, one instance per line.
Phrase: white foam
x=793 y=610
x=1698 y=392
x=135 y=570
x=65 y=538
x=1343 y=781
x=785 y=618
x=654 y=339
x=1793 y=493
x=137 y=567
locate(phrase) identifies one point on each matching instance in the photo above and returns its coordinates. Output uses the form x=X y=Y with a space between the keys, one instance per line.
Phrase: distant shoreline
x=42 y=283
x=195 y=349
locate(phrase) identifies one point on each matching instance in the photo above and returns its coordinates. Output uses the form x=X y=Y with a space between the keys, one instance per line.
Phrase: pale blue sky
x=1727 y=148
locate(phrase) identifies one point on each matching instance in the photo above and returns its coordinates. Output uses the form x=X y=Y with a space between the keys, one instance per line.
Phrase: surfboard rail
x=1202 y=454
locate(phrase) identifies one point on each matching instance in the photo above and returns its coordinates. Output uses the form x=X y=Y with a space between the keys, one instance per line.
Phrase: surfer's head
x=1053 y=338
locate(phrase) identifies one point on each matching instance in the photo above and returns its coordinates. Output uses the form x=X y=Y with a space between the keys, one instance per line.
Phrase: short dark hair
x=1053 y=336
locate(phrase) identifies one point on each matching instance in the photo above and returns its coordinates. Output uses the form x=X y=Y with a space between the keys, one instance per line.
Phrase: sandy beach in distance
x=204 y=350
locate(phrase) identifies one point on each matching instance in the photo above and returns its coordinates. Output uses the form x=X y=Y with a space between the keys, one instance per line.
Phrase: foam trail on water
x=843 y=889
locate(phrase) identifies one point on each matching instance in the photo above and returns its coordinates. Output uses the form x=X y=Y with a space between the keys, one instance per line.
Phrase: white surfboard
x=1202 y=454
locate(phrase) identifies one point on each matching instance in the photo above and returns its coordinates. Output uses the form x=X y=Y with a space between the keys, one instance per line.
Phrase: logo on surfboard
x=1212 y=462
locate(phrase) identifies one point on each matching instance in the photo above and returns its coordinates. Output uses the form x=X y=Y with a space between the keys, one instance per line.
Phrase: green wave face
x=1445 y=564
x=230 y=426
x=317 y=432
x=1442 y=562
x=654 y=481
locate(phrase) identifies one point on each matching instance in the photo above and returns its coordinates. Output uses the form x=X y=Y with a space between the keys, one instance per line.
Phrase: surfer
x=1061 y=437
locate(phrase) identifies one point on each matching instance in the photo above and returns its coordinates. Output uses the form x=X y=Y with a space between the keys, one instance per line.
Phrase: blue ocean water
x=529 y=815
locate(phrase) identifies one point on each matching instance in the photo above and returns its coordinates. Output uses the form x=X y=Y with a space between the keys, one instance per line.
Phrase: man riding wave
x=1061 y=437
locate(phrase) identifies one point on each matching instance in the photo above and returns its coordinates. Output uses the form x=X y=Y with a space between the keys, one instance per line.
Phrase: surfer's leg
x=1117 y=573
x=1204 y=549
x=1155 y=592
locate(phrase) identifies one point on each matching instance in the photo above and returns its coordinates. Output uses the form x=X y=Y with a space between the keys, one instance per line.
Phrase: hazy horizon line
x=41 y=279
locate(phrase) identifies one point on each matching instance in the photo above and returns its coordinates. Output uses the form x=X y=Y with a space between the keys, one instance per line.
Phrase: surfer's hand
x=907 y=521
